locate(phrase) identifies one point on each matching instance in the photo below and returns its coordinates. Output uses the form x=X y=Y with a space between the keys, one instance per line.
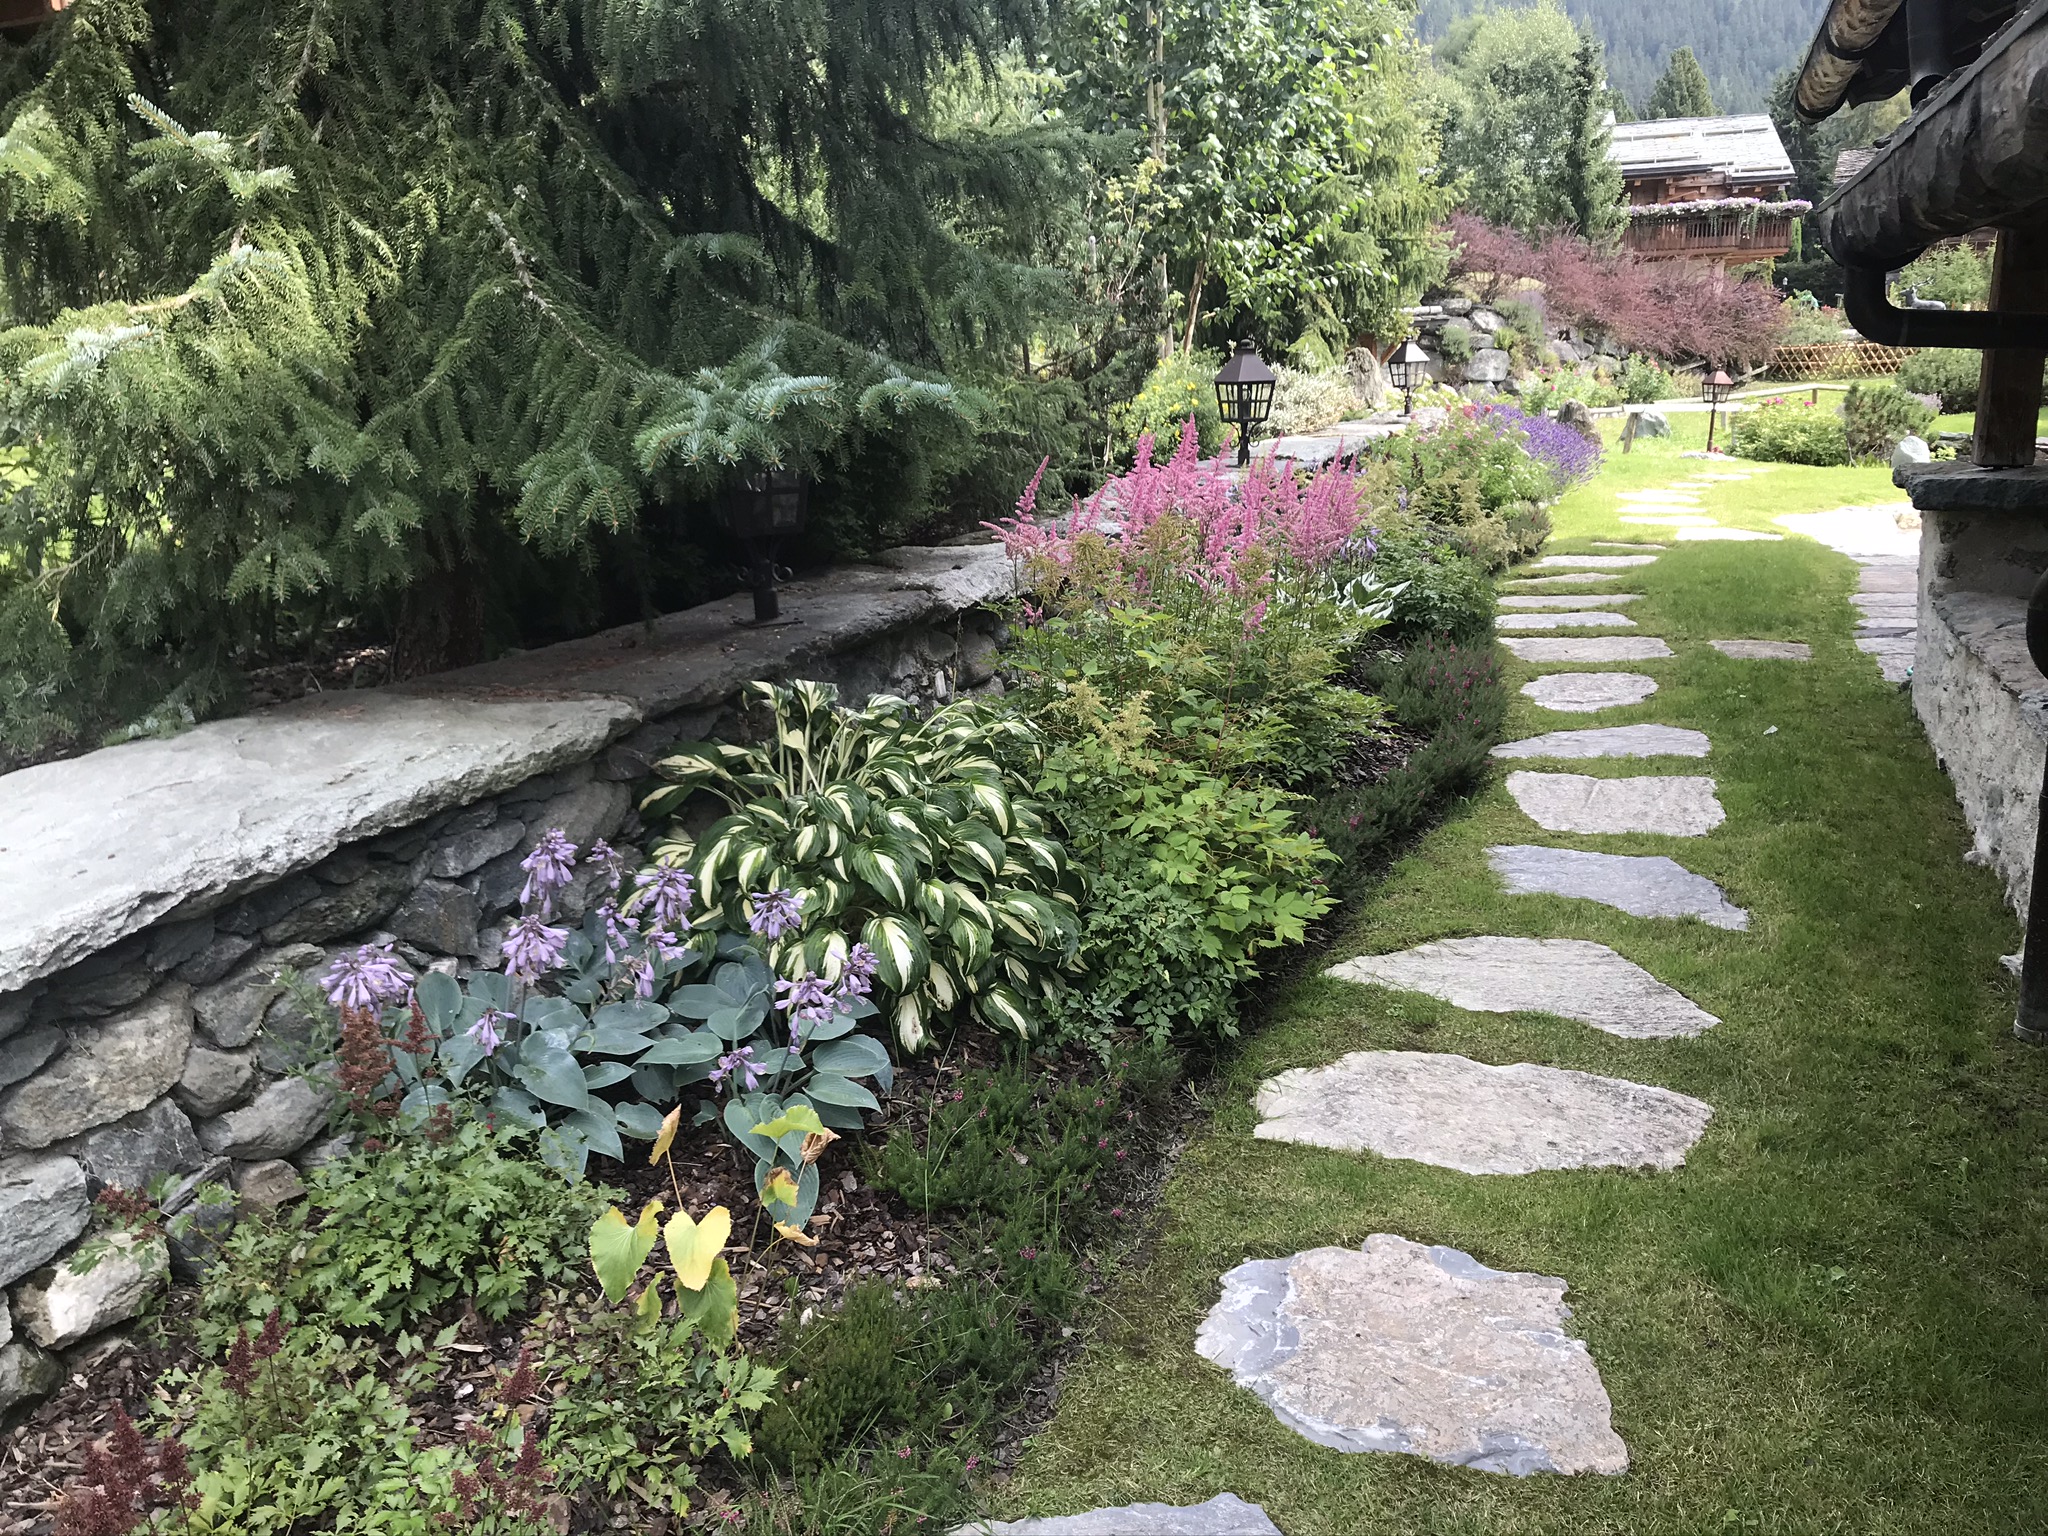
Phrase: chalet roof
x=1740 y=148
x=1850 y=161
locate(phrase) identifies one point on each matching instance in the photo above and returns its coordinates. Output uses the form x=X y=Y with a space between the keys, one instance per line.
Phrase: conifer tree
x=1682 y=90
x=313 y=309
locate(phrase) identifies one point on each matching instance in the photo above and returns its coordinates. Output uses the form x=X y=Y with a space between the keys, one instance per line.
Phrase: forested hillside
x=1740 y=43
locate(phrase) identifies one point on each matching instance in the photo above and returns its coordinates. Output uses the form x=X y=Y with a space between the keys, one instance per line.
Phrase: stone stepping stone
x=1583 y=693
x=1564 y=621
x=1727 y=536
x=1224 y=1515
x=1641 y=887
x=1672 y=496
x=1674 y=520
x=1419 y=1350
x=1894 y=655
x=1764 y=650
x=1677 y=805
x=1567 y=600
x=1557 y=581
x=1872 y=604
x=1611 y=544
x=1453 y=1112
x=1573 y=978
x=1609 y=740
x=1597 y=562
x=1599 y=648
x=1889 y=578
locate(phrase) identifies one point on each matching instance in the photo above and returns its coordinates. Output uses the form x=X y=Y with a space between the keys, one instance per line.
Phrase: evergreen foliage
x=331 y=308
x=1681 y=91
x=1525 y=123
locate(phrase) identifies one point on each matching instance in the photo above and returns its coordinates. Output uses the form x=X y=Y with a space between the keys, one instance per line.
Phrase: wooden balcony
x=1723 y=237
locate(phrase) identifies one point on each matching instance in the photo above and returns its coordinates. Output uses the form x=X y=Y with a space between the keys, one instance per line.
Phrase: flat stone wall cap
x=1453 y=1112
x=1398 y=1347
x=100 y=846
x=1573 y=978
x=1952 y=487
x=1224 y=1515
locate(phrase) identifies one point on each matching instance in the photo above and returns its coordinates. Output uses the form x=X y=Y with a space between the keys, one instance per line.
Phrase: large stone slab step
x=1580 y=620
x=1597 y=648
x=1585 y=693
x=1224 y=1515
x=1641 y=887
x=1572 y=600
x=1609 y=741
x=1670 y=805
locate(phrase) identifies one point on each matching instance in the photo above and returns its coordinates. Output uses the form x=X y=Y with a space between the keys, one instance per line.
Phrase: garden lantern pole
x=1715 y=388
x=762 y=510
x=1244 y=395
x=1405 y=369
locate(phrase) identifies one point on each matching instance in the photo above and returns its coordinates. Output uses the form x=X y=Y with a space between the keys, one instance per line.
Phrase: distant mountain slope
x=1740 y=43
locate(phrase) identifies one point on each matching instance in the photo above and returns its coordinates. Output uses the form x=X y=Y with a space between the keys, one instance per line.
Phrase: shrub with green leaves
x=1640 y=381
x=385 y=1238
x=1876 y=418
x=1946 y=372
x=1789 y=431
x=916 y=837
x=1455 y=343
x=1182 y=386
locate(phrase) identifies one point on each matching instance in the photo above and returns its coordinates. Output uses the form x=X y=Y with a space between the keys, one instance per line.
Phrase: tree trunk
x=440 y=621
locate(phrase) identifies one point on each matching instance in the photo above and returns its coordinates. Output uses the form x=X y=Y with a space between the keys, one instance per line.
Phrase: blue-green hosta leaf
x=683 y=1051
x=837 y=1024
x=855 y=1056
x=1002 y=1008
x=642 y=1122
x=440 y=999
x=553 y=1013
x=551 y=1074
x=600 y=1131
x=698 y=1001
x=492 y=988
x=831 y=1088
x=735 y=1024
x=602 y=1074
x=742 y=1115
x=655 y=1085
x=636 y=1014
x=612 y=1042
x=901 y=952
x=519 y=1107
x=840 y=1117
x=459 y=1056
x=421 y=1100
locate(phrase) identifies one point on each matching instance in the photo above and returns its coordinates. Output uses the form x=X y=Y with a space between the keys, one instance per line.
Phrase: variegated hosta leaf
x=993 y=804
x=845 y=805
x=1041 y=853
x=940 y=905
x=971 y=904
x=976 y=847
x=1004 y=1009
x=973 y=942
x=910 y=1018
x=720 y=847
x=815 y=843
x=943 y=987
x=750 y=863
x=769 y=815
x=901 y=951
x=890 y=869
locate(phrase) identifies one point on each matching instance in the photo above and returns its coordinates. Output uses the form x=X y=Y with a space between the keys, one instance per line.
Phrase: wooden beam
x=2009 y=385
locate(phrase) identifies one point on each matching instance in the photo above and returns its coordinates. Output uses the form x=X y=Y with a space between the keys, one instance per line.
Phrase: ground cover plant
x=1821 y=1323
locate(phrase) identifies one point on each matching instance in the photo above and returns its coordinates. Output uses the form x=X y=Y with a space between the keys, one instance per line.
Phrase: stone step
x=1609 y=740
x=1669 y=805
x=1727 y=536
x=1453 y=1112
x=1569 y=600
x=1582 y=693
x=1589 y=619
x=1596 y=562
x=1224 y=1515
x=1671 y=520
x=1672 y=497
x=1524 y=583
x=1598 y=648
x=1611 y=544
x=1398 y=1347
x=1572 y=978
x=1764 y=650
x=1641 y=886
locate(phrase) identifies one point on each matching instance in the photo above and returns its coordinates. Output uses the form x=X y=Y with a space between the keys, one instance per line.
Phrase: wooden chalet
x=1706 y=188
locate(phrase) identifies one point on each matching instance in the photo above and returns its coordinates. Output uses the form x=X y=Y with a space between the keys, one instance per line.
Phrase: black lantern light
x=1715 y=389
x=762 y=510
x=1406 y=369
x=1244 y=394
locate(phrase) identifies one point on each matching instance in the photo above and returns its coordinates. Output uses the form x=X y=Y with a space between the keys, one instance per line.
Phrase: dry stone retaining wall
x=163 y=903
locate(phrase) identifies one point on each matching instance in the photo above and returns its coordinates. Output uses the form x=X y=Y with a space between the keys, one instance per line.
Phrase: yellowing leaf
x=816 y=1143
x=692 y=1245
x=667 y=1136
x=617 y=1250
x=779 y=1190
x=648 y=1308
x=798 y=1117
x=796 y=1235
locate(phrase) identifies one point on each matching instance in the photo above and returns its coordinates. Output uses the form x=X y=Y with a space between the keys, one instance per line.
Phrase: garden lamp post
x=1715 y=390
x=1244 y=395
x=760 y=512
x=1406 y=369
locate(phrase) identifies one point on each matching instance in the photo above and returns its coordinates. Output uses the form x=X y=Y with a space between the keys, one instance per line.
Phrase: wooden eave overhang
x=1862 y=50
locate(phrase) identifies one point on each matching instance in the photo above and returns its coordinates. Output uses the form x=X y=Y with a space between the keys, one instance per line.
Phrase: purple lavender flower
x=486 y=1033
x=739 y=1063
x=619 y=932
x=532 y=949
x=549 y=868
x=602 y=855
x=775 y=913
x=366 y=980
x=666 y=891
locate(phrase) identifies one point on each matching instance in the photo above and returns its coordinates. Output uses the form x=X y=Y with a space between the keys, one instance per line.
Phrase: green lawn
x=1832 y=1319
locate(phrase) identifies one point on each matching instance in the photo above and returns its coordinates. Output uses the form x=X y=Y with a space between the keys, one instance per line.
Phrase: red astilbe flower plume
x=364 y=1064
x=122 y=1481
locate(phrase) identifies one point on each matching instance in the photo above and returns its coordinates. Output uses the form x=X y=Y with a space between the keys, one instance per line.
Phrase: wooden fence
x=1837 y=360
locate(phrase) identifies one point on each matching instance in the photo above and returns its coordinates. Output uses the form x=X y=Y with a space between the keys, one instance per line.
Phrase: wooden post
x=1628 y=431
x=2009 y=387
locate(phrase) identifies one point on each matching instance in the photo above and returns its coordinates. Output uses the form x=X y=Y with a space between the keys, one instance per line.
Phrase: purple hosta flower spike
x=486 y=1032
x=532 y=949
x=604 y=856
x=619 y=932
x=804 y=1003
x=666 y=892
x=775 y=913
x=665 y=946
x=857 y=979
x=549 y=868
x=640 y=970
x=366 y=980
x=741 y=1064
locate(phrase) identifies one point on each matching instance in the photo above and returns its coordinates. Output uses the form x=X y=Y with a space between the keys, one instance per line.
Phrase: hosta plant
x=911 y=836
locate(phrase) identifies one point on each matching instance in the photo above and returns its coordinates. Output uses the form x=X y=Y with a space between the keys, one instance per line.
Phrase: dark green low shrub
x=1790 y=431
x=1945 y=372
x=1876 y=418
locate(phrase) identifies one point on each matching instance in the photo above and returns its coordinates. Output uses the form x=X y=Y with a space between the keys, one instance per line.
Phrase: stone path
x=1671 y=805
x=1522 y=584
x=1599 y=648
x=1643 y=886
x=1885 y=542
x=1572 y=978
x=1581 y=693
x=1224 y=1515
x=1422 y=1350
x=1727 y=536
x=1610 y=544
x=1453 y=1112
x=1764 y=650
x=1596 y=562
x=1609 y=741
x=1590 y=619
x=1567 y=600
